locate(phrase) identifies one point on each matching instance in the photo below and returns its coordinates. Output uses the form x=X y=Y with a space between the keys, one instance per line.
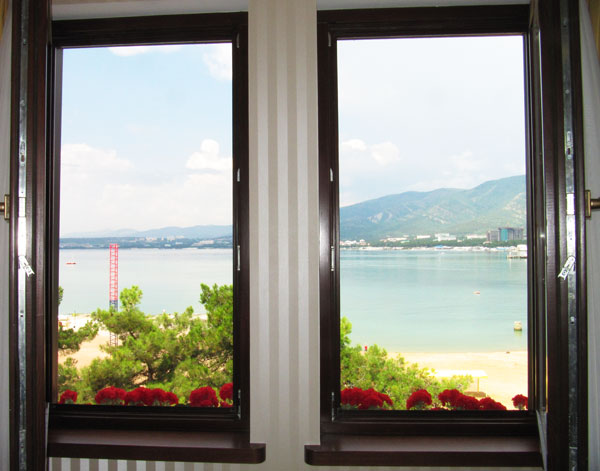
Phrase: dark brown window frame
x=388 y=437
x=179 y=433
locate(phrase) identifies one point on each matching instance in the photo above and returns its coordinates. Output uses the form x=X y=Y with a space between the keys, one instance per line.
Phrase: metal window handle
x=5 y=207
x=590 y=203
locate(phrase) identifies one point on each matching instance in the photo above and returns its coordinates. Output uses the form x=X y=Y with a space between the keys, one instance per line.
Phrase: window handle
x=590 y=203
x=5 y=207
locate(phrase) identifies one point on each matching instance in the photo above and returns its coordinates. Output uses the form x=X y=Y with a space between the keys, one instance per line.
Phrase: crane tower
x=113 y=291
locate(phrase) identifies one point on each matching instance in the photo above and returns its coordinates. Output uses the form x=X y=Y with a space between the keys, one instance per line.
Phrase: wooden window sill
x=369 y=450
x=217 y=447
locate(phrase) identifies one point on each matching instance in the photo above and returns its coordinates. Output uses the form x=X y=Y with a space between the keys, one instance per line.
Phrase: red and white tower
x=113 y=291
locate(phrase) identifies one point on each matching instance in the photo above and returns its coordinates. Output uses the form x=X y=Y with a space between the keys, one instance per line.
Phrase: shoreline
x=501 y=374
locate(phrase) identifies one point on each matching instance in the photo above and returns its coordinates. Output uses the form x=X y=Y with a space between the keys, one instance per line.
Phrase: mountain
x=193 y=232
x=493 y=204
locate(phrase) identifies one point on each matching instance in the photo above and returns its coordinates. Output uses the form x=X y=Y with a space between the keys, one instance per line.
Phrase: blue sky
x=146 y=131
x=420 y=114
x=146 y=137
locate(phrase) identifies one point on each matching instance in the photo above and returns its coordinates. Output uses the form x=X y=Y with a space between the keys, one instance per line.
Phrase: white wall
x=5 y=46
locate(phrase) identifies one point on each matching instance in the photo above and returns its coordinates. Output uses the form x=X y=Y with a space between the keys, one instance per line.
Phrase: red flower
x=68 y=397
x=487 y=403
x=171 y=398
x=418 y=400
x=351 y=396
x=150 y=397
x=204 y=397
x=370 y=399
x=464 y=402
x=225 y=404
x=520 y=401
x=226 y=391
x=110 y=396
x=449 y=396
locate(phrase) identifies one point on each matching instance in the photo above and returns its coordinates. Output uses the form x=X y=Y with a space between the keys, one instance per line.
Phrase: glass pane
x=432 y=195
x=146 y=254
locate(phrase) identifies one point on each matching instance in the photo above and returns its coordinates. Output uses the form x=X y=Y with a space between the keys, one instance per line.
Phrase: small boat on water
x=520 y=251
x=518 y=326
x=71 y=263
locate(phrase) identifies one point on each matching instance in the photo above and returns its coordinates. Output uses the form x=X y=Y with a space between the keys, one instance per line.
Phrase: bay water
x=402 y=300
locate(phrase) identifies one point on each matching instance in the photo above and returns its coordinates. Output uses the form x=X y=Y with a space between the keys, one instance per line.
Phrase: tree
x=392 y=376
x=178 y=352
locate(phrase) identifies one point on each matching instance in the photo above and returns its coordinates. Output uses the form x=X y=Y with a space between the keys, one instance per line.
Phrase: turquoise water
x=405 y=301
x=169 y=279
x=425 y=301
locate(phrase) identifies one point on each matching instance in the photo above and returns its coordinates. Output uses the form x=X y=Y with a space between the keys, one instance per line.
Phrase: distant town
x=168 y=242
x=501 y=237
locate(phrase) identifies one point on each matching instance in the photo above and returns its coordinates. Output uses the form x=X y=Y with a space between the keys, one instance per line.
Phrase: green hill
x=488 y=206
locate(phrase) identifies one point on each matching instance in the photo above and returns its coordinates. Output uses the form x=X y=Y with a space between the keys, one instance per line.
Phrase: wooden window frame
x=462 y=438
x=117 y=432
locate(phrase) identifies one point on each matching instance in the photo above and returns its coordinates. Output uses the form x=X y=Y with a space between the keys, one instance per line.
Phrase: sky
x=146 y=131
x=146 y=137
x=427 y=113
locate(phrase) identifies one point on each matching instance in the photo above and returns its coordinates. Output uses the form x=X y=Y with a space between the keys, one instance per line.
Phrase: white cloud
x=218 y=61
x=127 y=51
x=208 y=158
x=353 y=144
x=385 y=153
x=84 y=159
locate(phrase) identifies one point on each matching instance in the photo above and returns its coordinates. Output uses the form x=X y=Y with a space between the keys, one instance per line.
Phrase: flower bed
x=201 y=397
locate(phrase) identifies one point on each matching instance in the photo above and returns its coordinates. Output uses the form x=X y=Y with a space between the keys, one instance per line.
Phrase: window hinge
x=567 y=268
x=237 y=41
x=238 y=175
x=239 y=259
x=330 y=174
x=332 y=258
x=24 y=265
x=329 y=39
x=239 y=404
x=332 y=406
x=5 y=207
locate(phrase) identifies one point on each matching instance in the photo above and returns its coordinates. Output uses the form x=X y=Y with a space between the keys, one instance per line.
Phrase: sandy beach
x=505 y=372
x=502 y=374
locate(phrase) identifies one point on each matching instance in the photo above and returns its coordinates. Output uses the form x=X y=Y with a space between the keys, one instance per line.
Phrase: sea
x=401 y=300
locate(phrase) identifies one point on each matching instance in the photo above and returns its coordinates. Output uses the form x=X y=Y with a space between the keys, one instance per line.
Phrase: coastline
x=505 y=372
x=502 y=374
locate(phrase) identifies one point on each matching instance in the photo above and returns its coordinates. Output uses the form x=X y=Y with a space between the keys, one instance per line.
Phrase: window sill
x=209 y=447
x=363 y=450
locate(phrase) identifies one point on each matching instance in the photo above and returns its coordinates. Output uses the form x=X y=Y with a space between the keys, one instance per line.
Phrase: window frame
x=379 y=429
x=113 y=432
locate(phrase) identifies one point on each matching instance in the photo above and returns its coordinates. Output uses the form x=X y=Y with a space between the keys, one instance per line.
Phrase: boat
x=520 y=251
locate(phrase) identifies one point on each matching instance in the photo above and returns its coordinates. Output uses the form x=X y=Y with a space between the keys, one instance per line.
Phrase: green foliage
x=392 y=376
x=178 y=352
x=61 y=292
x=68 y=376
x=70 y=340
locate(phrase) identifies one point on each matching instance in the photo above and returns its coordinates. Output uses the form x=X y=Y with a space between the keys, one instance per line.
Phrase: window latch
x=24 y=265
x=5 y=207
x=567 y=268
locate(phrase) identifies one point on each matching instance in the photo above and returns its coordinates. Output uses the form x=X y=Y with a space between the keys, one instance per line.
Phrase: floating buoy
x=476 y=292
x=518 y=326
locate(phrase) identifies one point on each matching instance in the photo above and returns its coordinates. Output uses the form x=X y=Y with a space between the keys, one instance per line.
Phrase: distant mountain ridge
x=492 y=204
x=192 y=232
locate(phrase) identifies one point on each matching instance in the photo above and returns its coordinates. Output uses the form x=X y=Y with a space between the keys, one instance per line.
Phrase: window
x=384 y=433
x=145 y=138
